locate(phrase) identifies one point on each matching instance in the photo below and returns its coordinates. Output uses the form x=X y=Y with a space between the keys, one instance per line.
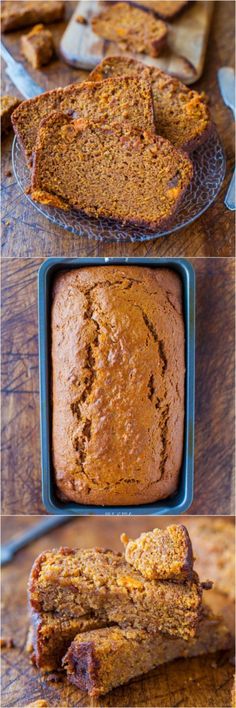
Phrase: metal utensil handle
x=230 y=194
x=36 y=532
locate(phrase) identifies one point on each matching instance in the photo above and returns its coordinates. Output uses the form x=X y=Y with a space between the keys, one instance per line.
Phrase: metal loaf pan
x=182 y=499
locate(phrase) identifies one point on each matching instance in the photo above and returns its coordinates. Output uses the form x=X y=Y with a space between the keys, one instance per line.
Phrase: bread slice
x=119 y=99
x=114 y=172
x=102 y=659
x=161 y=554
x=166 y=9
x=131 y=29
x=181 y=114
x=15 y=14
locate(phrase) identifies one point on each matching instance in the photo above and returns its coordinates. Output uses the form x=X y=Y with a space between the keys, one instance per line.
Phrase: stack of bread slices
x=105 y=617
x=116 y=146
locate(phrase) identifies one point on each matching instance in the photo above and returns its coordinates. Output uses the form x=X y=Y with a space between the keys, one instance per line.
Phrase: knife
x=19 y=76
x=226 y=78
x=48 y=524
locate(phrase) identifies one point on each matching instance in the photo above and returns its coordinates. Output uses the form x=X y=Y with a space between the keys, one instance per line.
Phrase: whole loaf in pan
x=118 y=373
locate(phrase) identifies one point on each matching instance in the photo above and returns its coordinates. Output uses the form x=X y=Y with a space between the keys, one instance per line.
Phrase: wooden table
x=27 y=233
x=21 y=487
x=202 y=681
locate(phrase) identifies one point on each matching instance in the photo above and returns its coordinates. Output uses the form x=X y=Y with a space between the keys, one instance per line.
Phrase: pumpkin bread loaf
x=118 y=371
x=37 y=46
x=131 y=29
x=100 y=660
x=166 y=9
x=16 y=14
x=117 y=100
x=181 y=114
x=115 y=172
x=161 y=554
x=52 y=635
x=76 y=582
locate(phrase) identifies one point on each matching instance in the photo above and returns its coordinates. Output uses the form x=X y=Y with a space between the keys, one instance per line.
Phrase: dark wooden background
x=201 y=681
x=27 y=233
x=21 y=486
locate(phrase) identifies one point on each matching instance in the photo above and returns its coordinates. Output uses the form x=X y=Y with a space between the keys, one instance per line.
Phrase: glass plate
x=209 y=171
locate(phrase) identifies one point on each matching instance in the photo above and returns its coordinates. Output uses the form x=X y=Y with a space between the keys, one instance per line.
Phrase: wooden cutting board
x=187 y=41
x=198 y=682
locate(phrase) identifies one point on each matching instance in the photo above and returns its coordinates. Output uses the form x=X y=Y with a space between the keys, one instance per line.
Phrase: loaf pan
x=182 y=499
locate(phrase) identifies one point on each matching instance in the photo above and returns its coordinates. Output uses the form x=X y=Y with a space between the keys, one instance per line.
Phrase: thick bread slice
x=131 y=29
x=118 y=173
x=15 y=14
x=100 y=660
x=117 y=100
x=181 y=114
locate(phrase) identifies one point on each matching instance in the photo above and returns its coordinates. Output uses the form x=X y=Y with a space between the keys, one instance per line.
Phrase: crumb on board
x=81 y=20
x=8 y=173
x=6 y=643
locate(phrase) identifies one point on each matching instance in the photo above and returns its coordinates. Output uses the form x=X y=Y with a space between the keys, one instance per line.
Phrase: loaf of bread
x=118 y=369
x=181 y=114
x=115 y=101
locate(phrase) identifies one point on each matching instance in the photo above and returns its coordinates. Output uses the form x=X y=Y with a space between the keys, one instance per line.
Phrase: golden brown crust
x=181 y=114
x=15 y=14
x=131 y=29
x=122 y=330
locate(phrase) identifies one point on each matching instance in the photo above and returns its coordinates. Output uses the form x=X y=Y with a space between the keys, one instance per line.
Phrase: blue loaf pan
x=181 y=500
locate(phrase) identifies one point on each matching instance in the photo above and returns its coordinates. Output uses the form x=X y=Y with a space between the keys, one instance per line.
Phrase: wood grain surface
x=201 y=681
x=21 y=486
x=25 y=232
